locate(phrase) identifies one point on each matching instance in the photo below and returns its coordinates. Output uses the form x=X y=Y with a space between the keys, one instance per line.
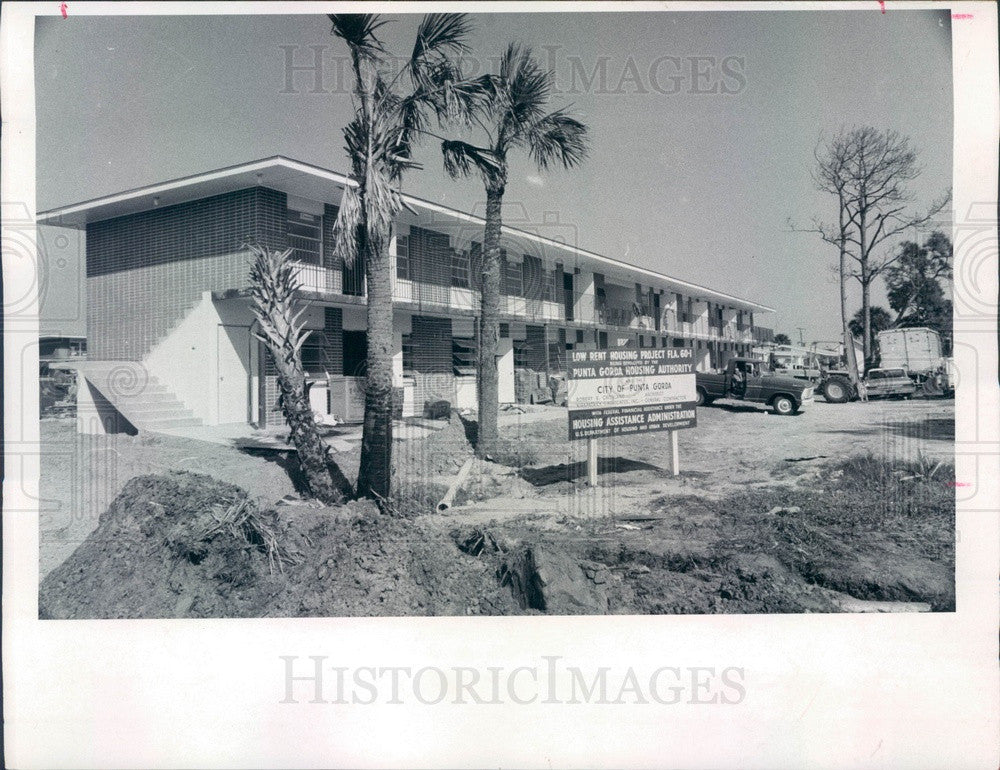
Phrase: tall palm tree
x=511 y=115
x=387 y=120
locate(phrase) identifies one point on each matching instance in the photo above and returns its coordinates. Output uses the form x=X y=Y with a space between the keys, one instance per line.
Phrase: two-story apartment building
x=170 y=330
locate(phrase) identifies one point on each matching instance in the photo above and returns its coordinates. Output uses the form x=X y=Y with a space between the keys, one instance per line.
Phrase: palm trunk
x=375 y=469
x=488 y=333
x=325 y=481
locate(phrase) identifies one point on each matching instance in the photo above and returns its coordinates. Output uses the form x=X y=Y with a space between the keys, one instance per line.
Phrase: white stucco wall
x=187 y=360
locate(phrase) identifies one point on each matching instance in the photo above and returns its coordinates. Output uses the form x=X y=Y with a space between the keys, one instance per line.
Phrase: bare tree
x=830 y=176
x=868 y=170
x=273 y=288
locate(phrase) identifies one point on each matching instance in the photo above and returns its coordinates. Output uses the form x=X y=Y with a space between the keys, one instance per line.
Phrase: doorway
x=232 y=373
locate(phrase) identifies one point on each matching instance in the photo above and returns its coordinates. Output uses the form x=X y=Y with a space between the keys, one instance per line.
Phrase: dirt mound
x=188 y=545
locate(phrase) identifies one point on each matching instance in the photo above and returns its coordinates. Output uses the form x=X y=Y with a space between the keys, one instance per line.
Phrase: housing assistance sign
x=630 y=390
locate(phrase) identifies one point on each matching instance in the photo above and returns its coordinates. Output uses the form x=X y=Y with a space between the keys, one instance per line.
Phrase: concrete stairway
x=138 y=396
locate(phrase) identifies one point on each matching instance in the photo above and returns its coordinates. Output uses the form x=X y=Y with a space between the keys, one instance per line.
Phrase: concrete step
x=145 y=405
x=169 y=422
x=145 y=415
x=151 y=407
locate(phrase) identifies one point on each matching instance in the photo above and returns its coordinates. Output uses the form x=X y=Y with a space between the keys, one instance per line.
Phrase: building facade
x=168 y=310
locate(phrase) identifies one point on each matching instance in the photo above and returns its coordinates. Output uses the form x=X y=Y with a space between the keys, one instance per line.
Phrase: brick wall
x=333 y=348
x=432 y=365
x=430 y=265
x=535 y=353
x=146 y=271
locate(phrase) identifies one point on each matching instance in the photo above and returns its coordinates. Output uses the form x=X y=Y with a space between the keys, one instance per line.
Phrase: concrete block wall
x=432 y=362
x=145 y=271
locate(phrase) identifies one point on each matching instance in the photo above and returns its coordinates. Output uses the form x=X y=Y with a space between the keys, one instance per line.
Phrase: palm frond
x=358 y=31
x=462 y=158
x=440 y=34
x=273 y=287
x=557 y=138
x=524 y=89
x=452 y=98
x=348 y=226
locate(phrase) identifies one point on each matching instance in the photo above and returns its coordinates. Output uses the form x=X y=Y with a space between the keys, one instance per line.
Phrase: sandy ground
x=733 y=448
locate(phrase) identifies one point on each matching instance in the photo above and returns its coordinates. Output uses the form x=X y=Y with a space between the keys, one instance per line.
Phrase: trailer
x=919 y=352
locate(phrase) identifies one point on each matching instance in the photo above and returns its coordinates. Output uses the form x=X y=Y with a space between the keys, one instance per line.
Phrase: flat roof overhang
x=319 y=184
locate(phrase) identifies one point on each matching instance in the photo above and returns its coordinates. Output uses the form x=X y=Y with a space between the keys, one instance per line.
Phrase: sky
x=702 y=129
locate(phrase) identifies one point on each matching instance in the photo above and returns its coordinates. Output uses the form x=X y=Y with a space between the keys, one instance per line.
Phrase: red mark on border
x=62 y=7
x=961 y=16
x=882 y=3
x=959 y=484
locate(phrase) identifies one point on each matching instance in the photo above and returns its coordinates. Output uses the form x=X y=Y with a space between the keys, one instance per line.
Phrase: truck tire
x=703 y=398
x=836 y=390
x=783 y=405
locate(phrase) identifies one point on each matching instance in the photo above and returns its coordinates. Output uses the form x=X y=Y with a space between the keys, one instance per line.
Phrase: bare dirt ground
x=841 y=508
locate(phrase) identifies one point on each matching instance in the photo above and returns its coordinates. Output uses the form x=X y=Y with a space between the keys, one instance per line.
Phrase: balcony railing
x=324 y=280
x=318 y=278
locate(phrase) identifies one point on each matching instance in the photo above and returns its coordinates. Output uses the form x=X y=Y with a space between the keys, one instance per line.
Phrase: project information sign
x=630 y=390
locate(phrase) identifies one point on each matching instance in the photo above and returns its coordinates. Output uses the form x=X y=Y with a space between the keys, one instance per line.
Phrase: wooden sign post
x=627 y=390
x=592 y=461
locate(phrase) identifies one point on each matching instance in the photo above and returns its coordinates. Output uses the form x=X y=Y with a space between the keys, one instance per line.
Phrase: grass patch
x=869 y=527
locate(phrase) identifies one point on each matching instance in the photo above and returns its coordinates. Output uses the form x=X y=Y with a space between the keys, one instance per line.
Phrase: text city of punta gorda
x=627 y=373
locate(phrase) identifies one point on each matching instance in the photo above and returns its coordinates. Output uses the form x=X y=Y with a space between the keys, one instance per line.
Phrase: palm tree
x=511 y=115
x=273 y=287
x=378 y=141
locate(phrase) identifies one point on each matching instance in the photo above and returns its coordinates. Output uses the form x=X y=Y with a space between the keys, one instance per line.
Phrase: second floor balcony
x=322 y=280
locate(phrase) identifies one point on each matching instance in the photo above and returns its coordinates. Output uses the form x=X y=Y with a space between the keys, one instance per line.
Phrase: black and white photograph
x=448 y=314
x=508 y=315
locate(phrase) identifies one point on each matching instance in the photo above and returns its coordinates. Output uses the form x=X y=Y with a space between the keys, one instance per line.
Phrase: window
x=579 y=336
x=504 y=331
x=463 y=356
x=314 y=353
x=403 y=258
x=688 y=315
x=305 y=237
x=355 y=353
x=515 y=279
x=407 y=355
x=520 y=353
x=460 y=269
x=552 y=285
